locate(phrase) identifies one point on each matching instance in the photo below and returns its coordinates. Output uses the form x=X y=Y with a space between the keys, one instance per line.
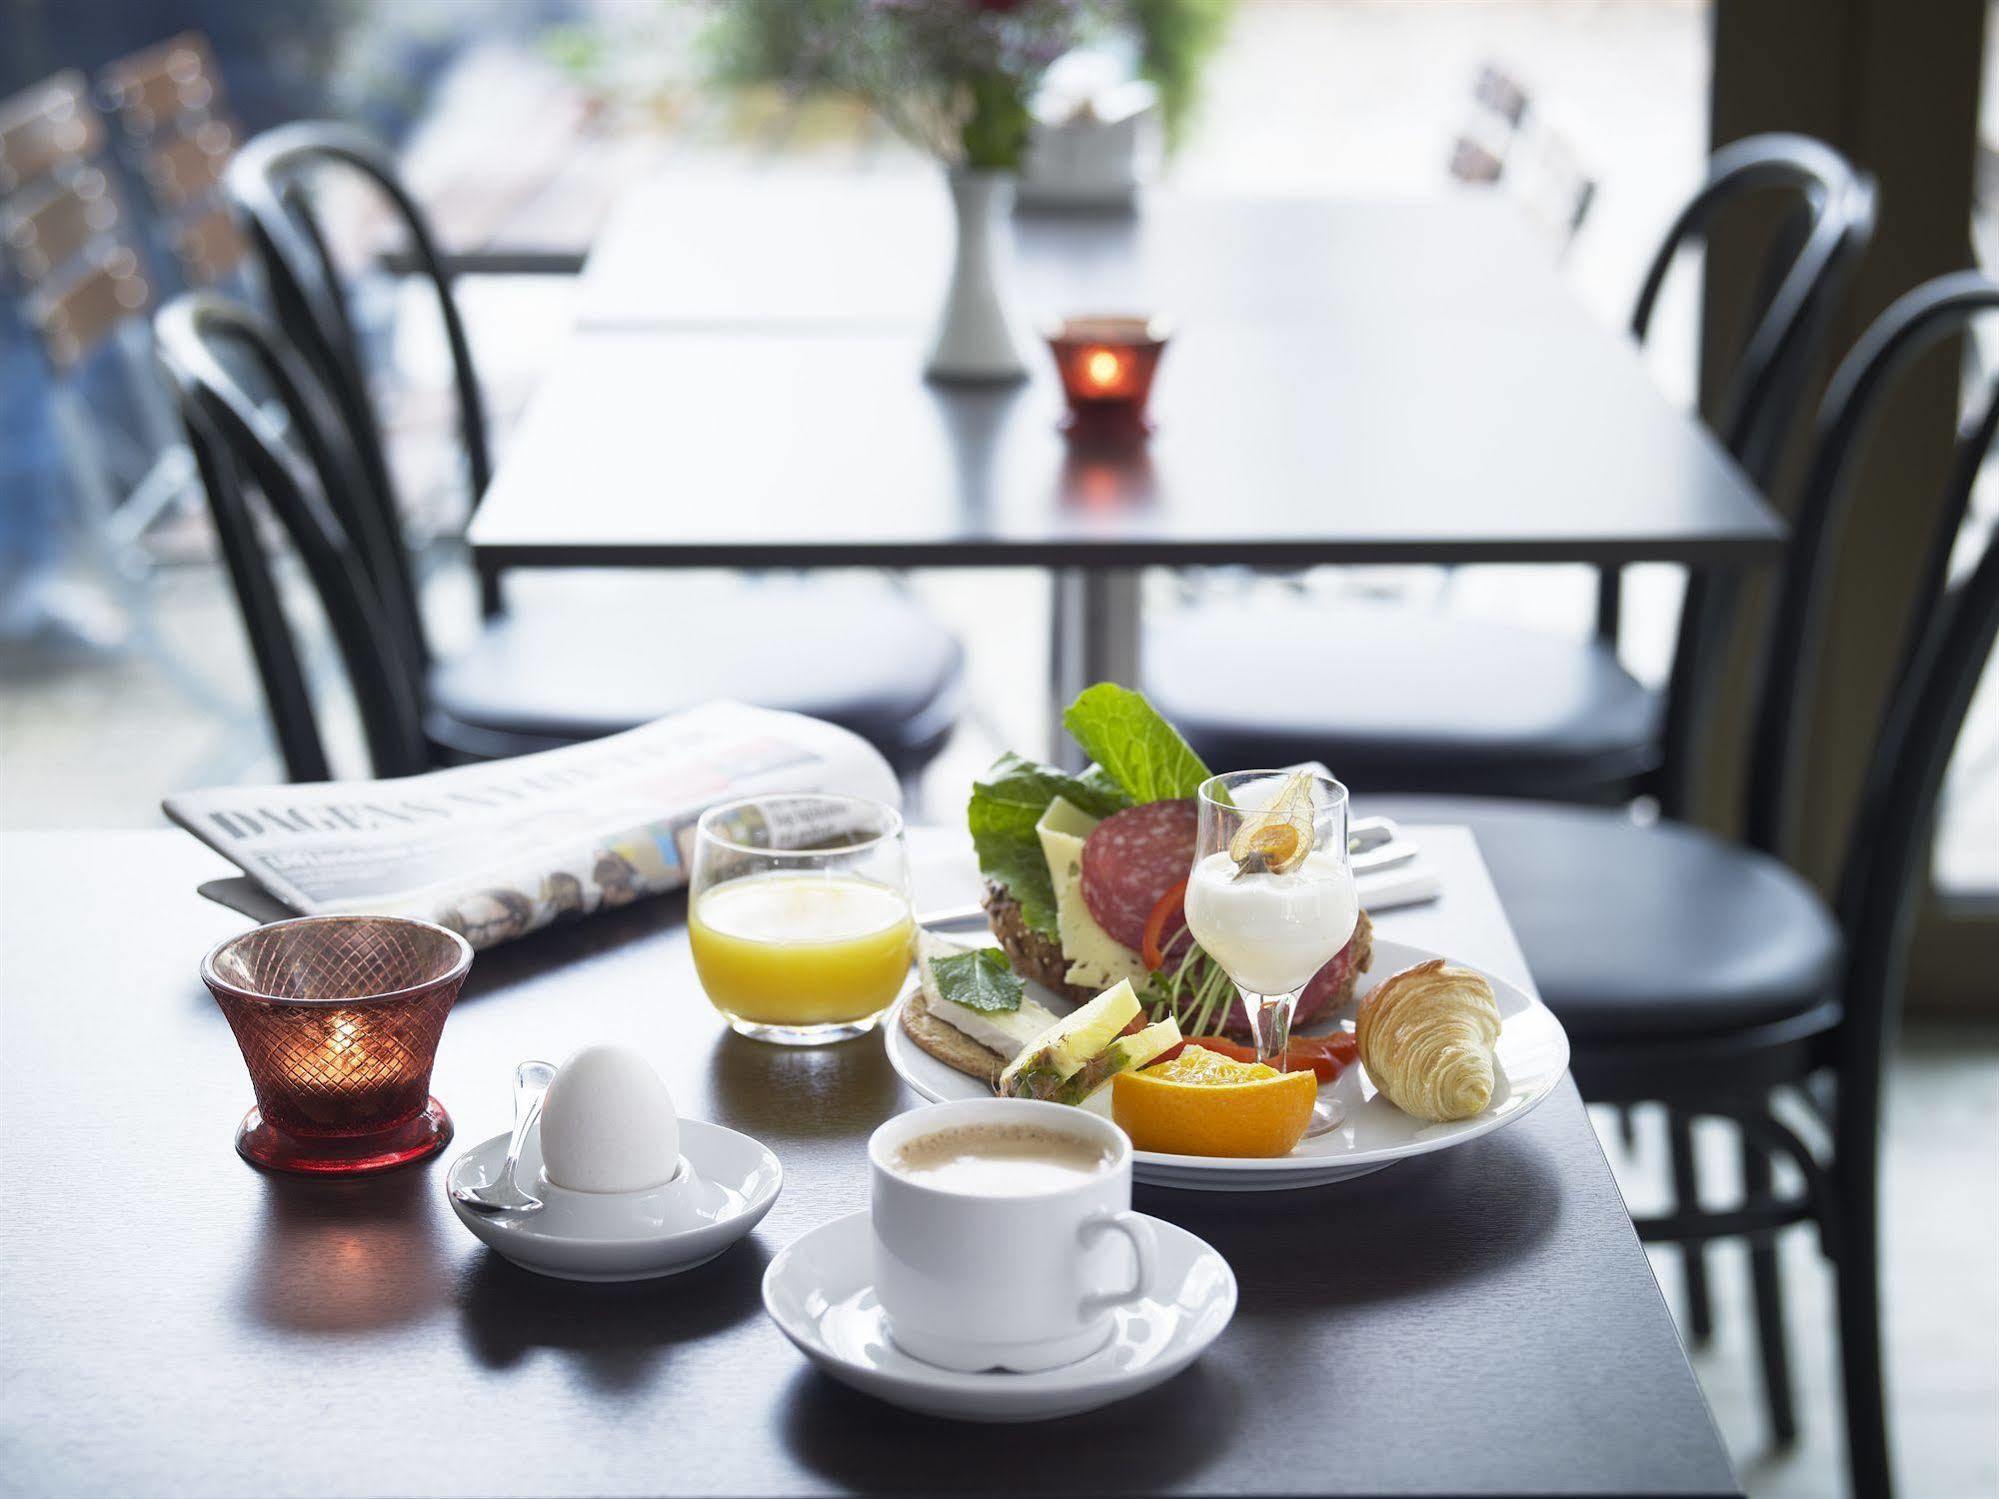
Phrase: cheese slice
x=1097 y=960
x=1005 y=1032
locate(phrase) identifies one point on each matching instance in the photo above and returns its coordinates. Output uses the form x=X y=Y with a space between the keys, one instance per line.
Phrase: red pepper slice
x=1152 y=948
x=1343 y=1047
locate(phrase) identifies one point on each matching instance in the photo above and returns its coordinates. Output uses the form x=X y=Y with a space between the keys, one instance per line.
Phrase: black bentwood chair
x=1412 y=699
x=863 y=668
x=573 y=655
x=1707 y=975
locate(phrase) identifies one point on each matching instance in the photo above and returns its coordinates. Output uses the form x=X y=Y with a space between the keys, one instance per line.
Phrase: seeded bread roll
x=1033 y=955
x=1426 y=1037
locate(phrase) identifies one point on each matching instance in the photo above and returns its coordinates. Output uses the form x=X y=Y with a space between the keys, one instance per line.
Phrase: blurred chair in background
x=1499 y=110
x=345 y=320
x=856 y=655
x=168 y=101
x=1708 y=975
x=71 y=251
x=1508 y=144
x=876 y=662
x=1412 y=699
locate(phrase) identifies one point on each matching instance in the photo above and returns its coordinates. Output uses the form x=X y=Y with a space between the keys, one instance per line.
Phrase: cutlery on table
x=531 y=1080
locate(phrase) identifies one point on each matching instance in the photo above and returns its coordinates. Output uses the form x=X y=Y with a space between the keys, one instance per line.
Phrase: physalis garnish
x=1277 y=839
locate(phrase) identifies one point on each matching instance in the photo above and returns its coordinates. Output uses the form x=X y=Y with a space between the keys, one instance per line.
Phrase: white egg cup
x=722 y=1185
x=669 y=1207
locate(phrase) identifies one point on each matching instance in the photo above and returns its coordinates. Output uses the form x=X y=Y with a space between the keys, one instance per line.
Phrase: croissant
x=1426 y=1037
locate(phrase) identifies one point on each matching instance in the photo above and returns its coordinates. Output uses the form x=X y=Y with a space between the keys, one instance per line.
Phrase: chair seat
x=1403 y=698
x=1643 y=932
x=581 y=654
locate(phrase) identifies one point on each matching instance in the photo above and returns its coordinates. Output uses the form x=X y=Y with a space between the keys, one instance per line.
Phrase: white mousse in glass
x=1271 y=932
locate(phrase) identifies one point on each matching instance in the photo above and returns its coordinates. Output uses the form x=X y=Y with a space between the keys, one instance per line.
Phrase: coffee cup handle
x=1144 y=1249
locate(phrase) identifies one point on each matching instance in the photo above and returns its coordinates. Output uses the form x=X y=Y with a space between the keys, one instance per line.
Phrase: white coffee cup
x=1018 y=1282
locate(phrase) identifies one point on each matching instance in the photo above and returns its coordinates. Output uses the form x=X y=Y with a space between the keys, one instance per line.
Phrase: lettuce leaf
x=1007 y=801
x=1141 y=752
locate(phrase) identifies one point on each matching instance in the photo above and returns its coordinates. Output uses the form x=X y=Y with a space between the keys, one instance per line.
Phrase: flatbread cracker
x=947 y=1043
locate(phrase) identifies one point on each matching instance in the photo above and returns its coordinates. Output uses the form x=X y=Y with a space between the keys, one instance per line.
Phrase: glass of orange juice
x=798 y=914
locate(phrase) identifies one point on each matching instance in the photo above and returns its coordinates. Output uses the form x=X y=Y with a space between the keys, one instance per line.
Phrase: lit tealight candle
x=1107 y=365
x=338 y=1018
x=1104 y=370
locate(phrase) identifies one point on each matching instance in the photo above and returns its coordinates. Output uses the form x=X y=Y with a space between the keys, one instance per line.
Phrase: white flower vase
x=975 y=339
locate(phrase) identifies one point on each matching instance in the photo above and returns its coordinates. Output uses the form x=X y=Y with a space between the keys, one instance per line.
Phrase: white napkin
x=1407 y=884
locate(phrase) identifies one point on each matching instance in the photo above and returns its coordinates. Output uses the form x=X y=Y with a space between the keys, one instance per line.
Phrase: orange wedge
x=1201 y=1103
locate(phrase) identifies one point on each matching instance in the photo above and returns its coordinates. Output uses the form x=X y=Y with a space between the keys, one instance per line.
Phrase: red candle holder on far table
x=1107 y=365
x=338 y=1018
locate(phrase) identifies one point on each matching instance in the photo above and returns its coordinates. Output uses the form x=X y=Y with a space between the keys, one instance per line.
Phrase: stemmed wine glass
x=1271 y=895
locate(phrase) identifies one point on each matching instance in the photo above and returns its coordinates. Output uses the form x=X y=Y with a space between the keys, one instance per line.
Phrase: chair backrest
x=75 y=318
x=1806 y=270
x=209 y=246
x=179 y=139
x=1936 y=311
x=269 y=184
x=1949 y=639
x=204 y=341
x=1499 y=109
x=46 y=129
x=1476 y=163
x=48 y=227
x=1500 y=93
x=174 y=86
x=1507 y=140
x=65 y=237
x=185 y=171
x=1884 y=880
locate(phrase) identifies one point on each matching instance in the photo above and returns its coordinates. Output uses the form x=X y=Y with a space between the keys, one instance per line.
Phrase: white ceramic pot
x=975 y=337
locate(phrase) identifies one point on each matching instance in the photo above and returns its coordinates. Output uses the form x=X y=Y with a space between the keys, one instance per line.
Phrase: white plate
x=1533 y=1054
x=626 y=1235
x=819 y=1291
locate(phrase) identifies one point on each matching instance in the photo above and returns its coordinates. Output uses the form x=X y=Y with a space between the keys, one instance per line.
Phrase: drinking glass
x=1270 y=932
x=799 y=916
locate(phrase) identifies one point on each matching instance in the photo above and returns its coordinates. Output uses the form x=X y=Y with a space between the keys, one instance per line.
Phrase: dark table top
x=1350 y=381
x=1478 y=1321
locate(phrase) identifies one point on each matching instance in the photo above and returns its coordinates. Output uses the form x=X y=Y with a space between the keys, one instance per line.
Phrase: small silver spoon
x=531 y=1080
x=1375 y=843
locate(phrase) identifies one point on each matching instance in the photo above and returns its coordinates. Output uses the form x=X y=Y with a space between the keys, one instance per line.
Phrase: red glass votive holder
x=338 y=1019
x=1107 y=365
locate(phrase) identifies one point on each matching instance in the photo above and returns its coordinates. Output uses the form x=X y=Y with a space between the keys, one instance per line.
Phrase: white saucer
x=728 y=1184
x=820 y=1293
x=1533 y=1056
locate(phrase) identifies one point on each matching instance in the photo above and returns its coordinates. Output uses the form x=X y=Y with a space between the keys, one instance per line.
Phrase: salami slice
x=1131 y=859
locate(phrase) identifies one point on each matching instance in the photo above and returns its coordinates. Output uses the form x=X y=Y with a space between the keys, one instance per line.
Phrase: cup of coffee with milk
x=1003 y=1233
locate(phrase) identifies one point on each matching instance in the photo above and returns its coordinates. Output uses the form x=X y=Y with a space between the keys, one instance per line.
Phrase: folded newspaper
x=499 y=849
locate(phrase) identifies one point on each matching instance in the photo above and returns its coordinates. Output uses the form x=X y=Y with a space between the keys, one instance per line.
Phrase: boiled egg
x=607 y=1124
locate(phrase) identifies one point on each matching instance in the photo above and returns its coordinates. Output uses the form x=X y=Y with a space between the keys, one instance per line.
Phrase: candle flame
x=1103 y=367
x=342 y=1058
